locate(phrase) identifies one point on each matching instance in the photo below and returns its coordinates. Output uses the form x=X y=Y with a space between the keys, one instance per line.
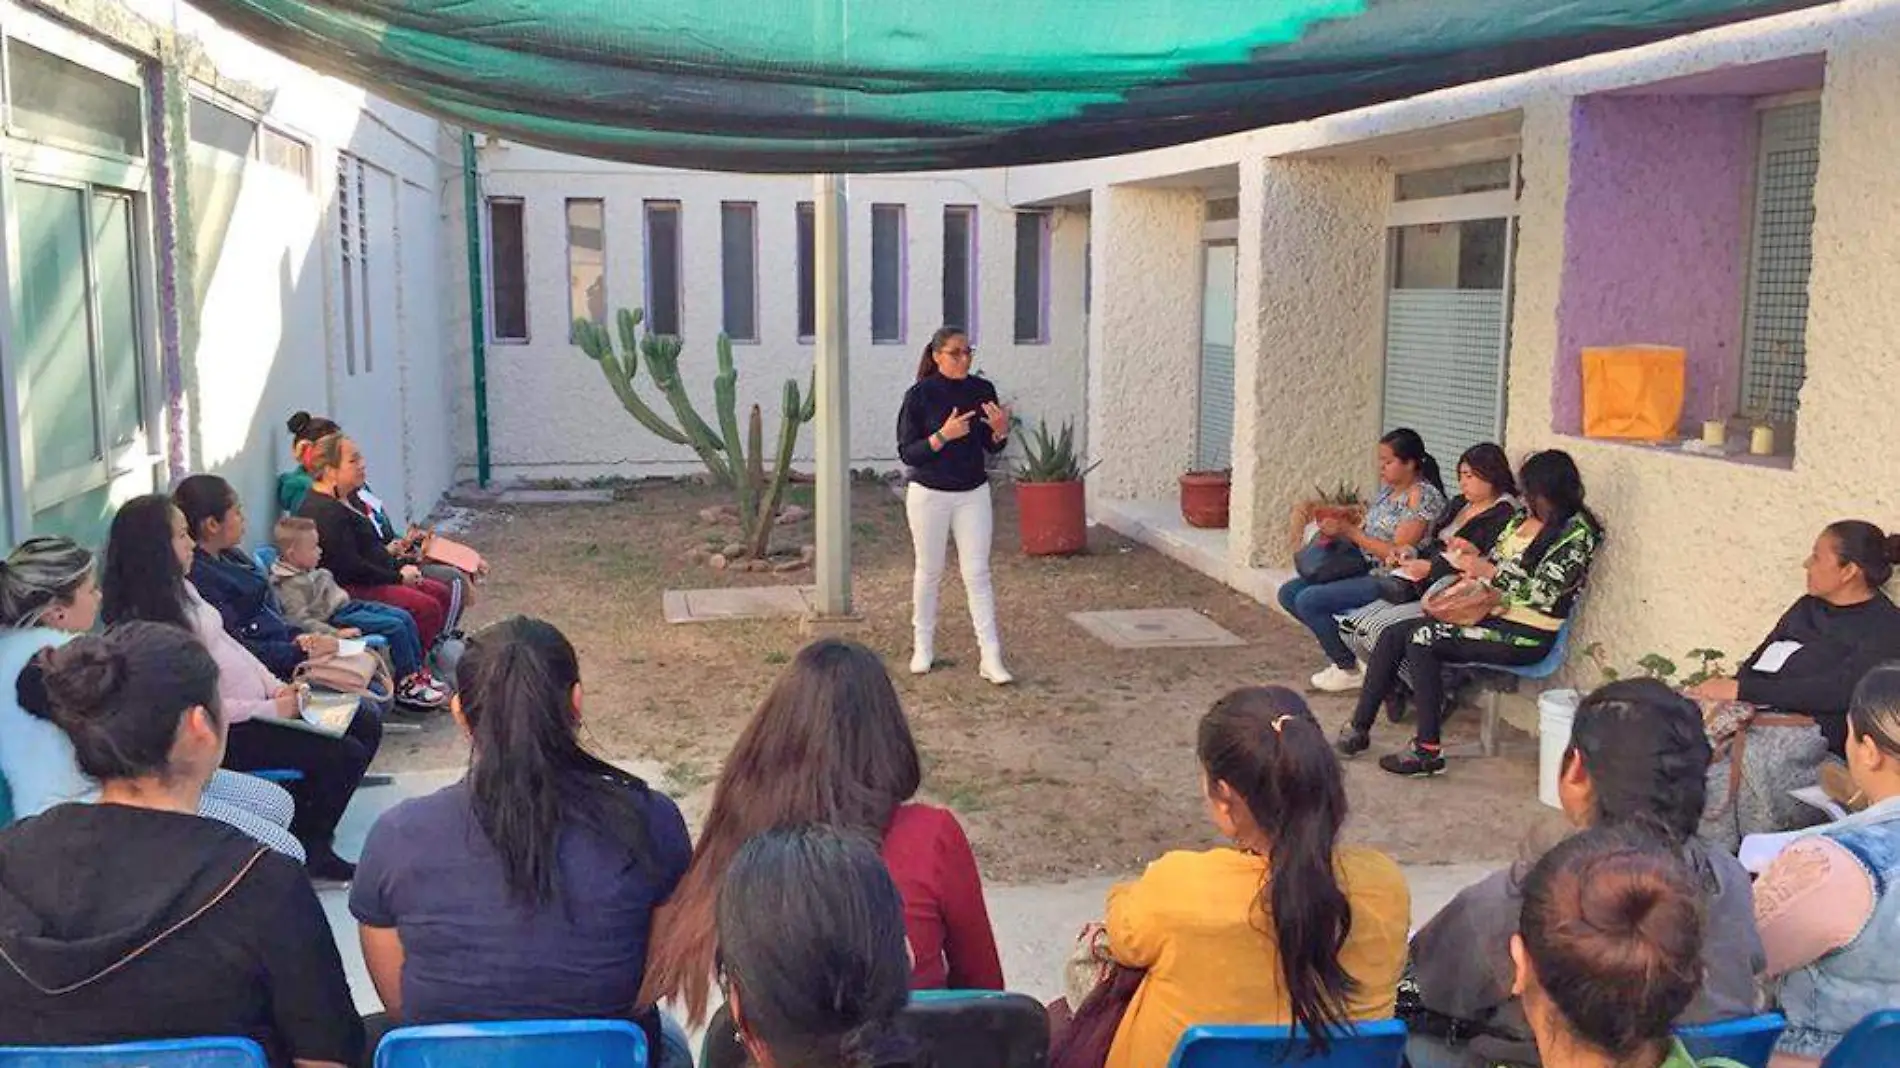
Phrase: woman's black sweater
x=959 y=465
x=1839 y=644
x=353 y=548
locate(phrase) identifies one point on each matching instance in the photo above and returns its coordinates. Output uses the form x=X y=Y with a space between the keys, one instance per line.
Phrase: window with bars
x=1774 y=343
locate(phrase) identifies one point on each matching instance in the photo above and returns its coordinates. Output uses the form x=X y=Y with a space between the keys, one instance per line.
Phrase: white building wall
x=550 y=413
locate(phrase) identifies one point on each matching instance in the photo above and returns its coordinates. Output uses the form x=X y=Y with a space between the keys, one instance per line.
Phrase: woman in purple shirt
x=527 y=889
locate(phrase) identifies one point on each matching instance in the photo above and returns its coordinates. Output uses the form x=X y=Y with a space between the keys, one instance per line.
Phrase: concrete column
x=1144 y=339
x=1307 y=359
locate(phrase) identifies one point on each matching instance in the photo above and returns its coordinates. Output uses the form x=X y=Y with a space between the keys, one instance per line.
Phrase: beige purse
x=361 y=674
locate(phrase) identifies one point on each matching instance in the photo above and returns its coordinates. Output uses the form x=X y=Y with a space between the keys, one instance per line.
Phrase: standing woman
x=949 y=423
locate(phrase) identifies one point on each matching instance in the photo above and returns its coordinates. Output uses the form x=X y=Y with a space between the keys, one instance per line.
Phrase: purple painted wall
x=1656 y=241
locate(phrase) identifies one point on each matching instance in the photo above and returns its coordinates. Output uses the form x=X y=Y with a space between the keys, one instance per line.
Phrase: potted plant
x=1341 y=502
x=1204 y=497
x=1051 y=512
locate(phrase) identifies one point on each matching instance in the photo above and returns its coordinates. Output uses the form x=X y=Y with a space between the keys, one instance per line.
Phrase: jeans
x=1317 y=606
x=395 y=625
x=935 y=517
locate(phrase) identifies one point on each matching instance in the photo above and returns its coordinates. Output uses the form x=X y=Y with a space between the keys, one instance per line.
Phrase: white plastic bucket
x=1556 y=709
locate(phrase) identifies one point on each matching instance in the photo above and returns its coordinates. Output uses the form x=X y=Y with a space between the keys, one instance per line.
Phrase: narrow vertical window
x=663 y=266
x=507 y=271
x=1032 y=277
x=959 y=268
x=739 y=270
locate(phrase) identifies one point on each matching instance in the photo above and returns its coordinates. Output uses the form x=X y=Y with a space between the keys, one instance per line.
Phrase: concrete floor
x=1035 y=924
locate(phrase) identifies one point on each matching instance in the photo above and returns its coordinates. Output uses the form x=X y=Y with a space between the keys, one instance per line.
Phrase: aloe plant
x=733 y=461
x=1052 y=457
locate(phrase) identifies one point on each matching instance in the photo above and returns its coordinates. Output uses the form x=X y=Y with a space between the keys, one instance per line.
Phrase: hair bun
x=80 y=678
x=30 y=688
x=296 y=423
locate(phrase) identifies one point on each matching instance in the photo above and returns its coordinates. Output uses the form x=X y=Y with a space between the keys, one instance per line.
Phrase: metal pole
x=477 y=314
x=832 y=422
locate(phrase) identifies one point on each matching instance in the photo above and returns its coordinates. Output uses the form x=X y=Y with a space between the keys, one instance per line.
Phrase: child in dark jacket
x=312 y=599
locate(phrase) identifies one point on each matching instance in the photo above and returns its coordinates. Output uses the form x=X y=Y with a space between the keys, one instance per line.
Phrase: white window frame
x=751 y=208
x=902 y=267
x=488 y=262
x=1045 y=255
x=648 y=209
x=567 y=232
x=972 y=286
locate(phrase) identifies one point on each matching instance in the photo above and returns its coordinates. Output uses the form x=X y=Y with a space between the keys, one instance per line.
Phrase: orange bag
x=440 y=550
x=1633 y=392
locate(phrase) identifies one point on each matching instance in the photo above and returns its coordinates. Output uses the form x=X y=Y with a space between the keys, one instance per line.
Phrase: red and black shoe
x=1418 y=762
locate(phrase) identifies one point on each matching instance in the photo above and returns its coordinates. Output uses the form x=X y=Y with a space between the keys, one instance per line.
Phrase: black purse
x=1324 y=560
x=1397 y=589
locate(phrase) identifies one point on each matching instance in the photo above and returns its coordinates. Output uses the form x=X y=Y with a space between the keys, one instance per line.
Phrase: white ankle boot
x=921 y=659
x=992 y=669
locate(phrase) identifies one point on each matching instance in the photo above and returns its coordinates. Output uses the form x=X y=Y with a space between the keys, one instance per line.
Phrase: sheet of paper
x=1815 y=797
x=351 y=646
x=1775 y=657
x=1758 y=851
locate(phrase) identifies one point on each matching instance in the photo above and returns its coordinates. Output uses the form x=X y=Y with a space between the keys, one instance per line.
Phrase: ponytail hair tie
x=1280 y=723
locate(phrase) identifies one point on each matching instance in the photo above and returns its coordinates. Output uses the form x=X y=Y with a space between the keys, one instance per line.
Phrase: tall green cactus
x=733 y=461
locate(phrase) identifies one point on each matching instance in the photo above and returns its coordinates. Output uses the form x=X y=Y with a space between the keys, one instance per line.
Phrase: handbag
x=358 y=674
x=1395 y=588
x=1324 y=560
x=1465 y=603
x=1086 y=1041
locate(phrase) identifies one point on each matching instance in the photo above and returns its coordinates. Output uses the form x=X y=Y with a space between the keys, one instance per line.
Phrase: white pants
x=936 y=515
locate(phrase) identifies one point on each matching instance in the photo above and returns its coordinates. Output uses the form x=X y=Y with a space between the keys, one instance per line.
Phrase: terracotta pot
x=1204 y=496
x=1051 y=517
x=1350 y=513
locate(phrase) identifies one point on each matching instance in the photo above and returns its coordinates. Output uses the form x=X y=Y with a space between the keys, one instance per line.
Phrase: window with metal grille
x=807 y=269
x=663 y=266
x=739 y=269
x=1774 y=343
x=346 y=249
x=959 y=268
x=888 y=274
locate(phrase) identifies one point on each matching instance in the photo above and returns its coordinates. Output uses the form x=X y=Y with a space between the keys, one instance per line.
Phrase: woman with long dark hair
x=1829 y=906
x=1537 y=568
x=49 y=595
x=830 y=744
x=1411 y=498
x=1799 y=682
x=1608 y=951
x=1319 y=944
x=135 y=919
x=147 y=554
x=948 y=425
x=811 y=943
x=1636 y=755
x=526 y=890
x=1487 y=498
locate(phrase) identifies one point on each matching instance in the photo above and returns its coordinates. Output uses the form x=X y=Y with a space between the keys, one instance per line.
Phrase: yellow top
x=1194 y=921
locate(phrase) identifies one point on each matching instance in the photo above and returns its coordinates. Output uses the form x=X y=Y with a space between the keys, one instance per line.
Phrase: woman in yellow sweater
x=1281 y=927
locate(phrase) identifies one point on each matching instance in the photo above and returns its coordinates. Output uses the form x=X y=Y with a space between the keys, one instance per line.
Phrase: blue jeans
x=370 y=617
x=1317 y=607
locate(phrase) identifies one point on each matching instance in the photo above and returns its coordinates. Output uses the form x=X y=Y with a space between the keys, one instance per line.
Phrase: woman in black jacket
x=1486 y=501
x=948 y=426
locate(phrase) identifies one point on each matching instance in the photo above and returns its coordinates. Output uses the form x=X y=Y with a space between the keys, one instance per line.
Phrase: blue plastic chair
x=1496 y=680
x=280 y=776
x=1874 y=1042
x=1372 y=1044
x=169 y=1053
x=266 y=557
x=1749 y=1040
x=516 y=1044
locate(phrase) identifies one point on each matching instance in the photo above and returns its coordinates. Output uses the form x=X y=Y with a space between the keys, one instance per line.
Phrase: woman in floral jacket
x=1538 y=567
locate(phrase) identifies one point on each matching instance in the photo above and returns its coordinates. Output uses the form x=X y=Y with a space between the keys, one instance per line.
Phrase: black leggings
x=1424 y=647
x=332 y=768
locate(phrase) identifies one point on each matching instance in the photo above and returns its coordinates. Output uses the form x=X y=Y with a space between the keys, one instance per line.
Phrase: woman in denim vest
x=1828 y=910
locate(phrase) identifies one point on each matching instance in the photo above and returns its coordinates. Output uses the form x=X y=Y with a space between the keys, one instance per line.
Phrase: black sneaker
x=324 y=866
x=1352 y=742
x=1414 y=763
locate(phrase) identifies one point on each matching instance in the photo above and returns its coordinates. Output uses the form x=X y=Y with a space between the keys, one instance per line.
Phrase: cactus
x=734 y=462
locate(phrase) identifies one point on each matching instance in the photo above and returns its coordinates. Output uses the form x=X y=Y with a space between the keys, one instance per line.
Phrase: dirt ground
x=1085 y=767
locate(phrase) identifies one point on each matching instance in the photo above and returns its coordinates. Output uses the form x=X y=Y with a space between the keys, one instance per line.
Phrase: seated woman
x=830 y=744
x=1537 y=569
x=1486 y=500
x=1608 y=952
x=135 y=918
x=353 y=548
x=1320 y=944
x=1636 y=754
x=229 y=579
x=525 y=891
x=147 y=553
x=294 y=485
x=1800 y=681
x=49 y=594
x=1411 y=496
x=811 y=939
x=1829 y=906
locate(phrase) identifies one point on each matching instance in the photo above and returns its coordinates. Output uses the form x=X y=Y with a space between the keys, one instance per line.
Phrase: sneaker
x=993 y=671
x=415 y=692
x=1352 y=742
x=1336 y=679
x=1415 y=763
x=324 y=866
x=921 y=661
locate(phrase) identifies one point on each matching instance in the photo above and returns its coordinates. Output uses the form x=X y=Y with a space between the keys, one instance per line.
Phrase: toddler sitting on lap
x=313 y=600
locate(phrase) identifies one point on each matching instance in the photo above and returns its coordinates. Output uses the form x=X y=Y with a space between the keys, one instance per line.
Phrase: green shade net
x=887 y=85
